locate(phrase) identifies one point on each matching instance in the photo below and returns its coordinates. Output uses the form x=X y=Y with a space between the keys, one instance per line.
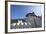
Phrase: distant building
x=35 y=21
x=31 y=21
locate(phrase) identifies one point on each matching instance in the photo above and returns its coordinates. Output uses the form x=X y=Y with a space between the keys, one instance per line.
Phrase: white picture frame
x=26 y=29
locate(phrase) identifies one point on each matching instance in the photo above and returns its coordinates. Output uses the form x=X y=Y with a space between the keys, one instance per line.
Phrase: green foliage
x=14 y=21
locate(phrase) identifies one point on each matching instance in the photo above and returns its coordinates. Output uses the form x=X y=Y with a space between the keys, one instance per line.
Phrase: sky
x=20 y=11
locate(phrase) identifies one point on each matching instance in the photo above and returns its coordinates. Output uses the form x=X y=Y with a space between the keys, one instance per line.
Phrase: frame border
x=6 y=16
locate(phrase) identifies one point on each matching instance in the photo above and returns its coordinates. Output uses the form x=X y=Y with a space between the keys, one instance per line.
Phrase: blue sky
x=19 y=11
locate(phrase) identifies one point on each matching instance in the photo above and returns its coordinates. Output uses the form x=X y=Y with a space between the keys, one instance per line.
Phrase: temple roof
x=30 y=14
